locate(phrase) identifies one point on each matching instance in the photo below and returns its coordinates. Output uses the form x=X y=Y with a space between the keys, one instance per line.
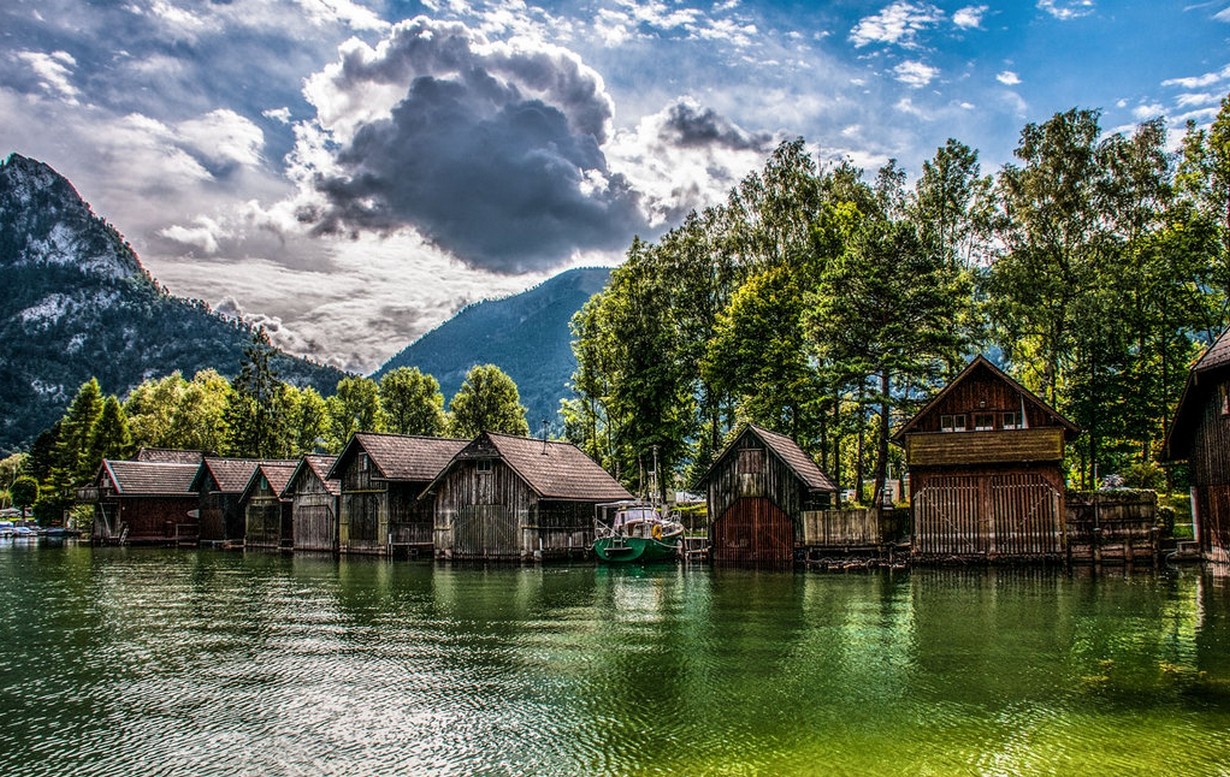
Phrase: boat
x=635 y=531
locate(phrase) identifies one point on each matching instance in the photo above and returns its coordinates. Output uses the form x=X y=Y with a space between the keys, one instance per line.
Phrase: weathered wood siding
x=984 y=392
x=149 y=520
x=753 y=530
x=267 y=518
x=484 y=514
x=991 y=513
x=363 y=515
x=314 y=515
x=988 y=447
x=1209 y=465
x=849 y=528
x=749 y=469
x=412 y=521
x=1112 y=525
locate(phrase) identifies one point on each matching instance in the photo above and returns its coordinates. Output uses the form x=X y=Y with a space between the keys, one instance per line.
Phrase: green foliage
x=74 y=461
x=252 y=416
x=487 y=402
x=110 y=438
x=412 y=402
x=24 y=492
x=354 y=408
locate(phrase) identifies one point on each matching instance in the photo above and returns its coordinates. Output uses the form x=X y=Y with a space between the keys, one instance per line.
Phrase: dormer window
x=984 y=422
x=952 y=423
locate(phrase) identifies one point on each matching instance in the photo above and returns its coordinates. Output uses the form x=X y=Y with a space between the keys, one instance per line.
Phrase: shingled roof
x=1204 y=376
x=319 y=466
x=277 y=473
x=790 y=454
x=170 y=455
x=232 y=475
x=149 y=478
x=553 y=469
x=400 y=457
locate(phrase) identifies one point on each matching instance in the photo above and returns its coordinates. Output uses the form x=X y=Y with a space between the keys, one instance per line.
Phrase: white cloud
x=223 y=137
x=54 y=72
x=1148 y=111
x=346 y=12
x=1200 y=81
x=1223 y=15
x=1200 y=98
x=897 y=24
x=970 y=16
x=1066 y=10
x=1008 y=78
x=915 y=74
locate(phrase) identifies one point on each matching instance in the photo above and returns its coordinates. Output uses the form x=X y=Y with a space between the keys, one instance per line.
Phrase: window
x=1224 y=392
x=1009 y=421
x=751 y=461
x=984 y=422
x=952 y=423
x=483 y=466
x=364 y=462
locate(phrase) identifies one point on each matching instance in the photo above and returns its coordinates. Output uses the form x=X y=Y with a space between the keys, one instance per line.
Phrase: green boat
x=635 y=532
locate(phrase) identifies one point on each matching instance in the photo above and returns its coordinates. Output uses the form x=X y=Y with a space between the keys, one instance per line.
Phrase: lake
x=162 y=662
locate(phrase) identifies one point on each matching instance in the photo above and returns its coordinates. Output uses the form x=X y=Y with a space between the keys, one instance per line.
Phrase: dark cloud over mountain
x=493 y=153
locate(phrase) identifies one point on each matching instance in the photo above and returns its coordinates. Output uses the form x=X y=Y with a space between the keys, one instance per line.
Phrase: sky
x=350 y=173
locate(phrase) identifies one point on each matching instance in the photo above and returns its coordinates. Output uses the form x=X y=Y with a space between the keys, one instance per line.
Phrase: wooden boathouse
x=267 y=513
x=1200 y=435
x=758 y=490
x=143 y=502
x=314 y=504
x=382 y=477
x=219 y=483
x=985 y=460
x=516 y=498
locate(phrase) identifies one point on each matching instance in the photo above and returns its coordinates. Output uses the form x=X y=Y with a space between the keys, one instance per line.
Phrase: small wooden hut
x=314 y=504
x=985 y=459
x=1200 y=435
x=382 y=477
x=143 y=502
x=219 y=483
x=758 y=490
x=267 y=513
x=516 y=498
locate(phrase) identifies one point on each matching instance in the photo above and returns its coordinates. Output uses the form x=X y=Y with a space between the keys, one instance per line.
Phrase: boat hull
x=623 y=550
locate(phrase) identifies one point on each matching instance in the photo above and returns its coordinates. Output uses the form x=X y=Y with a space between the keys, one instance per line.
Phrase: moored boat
x=633 y=531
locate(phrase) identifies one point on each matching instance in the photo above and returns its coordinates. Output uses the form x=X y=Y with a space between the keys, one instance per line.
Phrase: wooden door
x=753 y=530
x=486 y=530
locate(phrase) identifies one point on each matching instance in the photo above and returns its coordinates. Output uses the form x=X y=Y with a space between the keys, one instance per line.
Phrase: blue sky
x=350 y=173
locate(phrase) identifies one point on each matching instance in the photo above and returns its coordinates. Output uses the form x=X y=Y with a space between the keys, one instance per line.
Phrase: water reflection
x=155 y=662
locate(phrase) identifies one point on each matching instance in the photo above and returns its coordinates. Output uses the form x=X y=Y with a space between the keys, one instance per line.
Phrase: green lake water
x=148 y=662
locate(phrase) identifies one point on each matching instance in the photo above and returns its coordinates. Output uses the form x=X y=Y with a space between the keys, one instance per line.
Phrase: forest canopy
x=829 y=306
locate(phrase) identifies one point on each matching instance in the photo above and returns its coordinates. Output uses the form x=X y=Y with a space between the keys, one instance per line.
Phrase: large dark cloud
x=494 y=153
x=690 y=126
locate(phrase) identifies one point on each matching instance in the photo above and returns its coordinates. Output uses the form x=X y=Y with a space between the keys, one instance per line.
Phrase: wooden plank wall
x=467 y=521
x=411 y=520
x=1112 y=525
x=314 y=516
x=753 y=530
x=264 y=522
x=841 y=528
x=994 y=514
x=1210 y=455
x=1214 y=510
x=777 y=482
x=154 y=520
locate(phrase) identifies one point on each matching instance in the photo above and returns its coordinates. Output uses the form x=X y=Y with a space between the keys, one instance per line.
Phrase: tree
x=151 y=409
x=354 y=408
x=199 y=418
x=111 y=438
x=24 y=493
x=73 y=456
x=412 y=402
x=306 y=420
x=488 y=401
x=252 y=413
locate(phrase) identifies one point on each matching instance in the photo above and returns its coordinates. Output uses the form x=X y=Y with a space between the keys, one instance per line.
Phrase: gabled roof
x=982 y=363
x=786 y=449
x=319 y=466
x=172 y=455
x=149 y=478
x=231 y=475
x=400 y=457
x=278 y=474
x=552 y=469
x=1204 y=375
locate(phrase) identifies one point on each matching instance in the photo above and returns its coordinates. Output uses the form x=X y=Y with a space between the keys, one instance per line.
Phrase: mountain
x=526 y=335
x=77 y=302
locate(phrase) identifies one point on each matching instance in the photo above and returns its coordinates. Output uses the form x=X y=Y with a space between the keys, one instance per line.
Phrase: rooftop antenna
x=544 y=437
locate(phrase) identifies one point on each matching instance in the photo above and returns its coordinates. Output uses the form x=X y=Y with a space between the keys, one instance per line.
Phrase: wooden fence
x=1120 y=525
